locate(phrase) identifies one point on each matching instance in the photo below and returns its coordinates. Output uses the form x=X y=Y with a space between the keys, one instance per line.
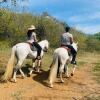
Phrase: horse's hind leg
x=16 y=69
x=66 y=70
x=61 y=71
x=51 y=83
x=23 y=75
x=14 y=75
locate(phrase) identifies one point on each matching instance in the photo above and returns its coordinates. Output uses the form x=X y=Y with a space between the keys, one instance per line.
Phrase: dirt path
x=80 y=87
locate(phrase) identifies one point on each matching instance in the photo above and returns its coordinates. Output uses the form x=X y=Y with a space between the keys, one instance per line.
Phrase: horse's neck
x=42 y=44
x=74 y=46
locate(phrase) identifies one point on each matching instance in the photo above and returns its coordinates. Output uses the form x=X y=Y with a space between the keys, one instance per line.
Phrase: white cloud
x=1 y=0
x=23 y=3
x=85 y=17
x=76 y=18
x=89 y=29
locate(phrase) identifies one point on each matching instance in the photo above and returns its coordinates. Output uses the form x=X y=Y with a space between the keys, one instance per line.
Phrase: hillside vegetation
x=13 y=29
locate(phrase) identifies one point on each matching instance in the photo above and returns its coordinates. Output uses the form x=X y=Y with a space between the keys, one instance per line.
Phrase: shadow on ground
x=25 y=69
x=42 y=77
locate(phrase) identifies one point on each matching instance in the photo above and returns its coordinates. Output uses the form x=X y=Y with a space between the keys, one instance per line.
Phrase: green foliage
x=13 y=28
x=93 y=44
x=80 y=38
x=97 y=36
x=96 y=72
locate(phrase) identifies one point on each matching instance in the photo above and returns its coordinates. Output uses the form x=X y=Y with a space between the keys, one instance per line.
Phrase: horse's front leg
x=66 y=70
x=73 y=71
x=39 y=63
x=33 y=66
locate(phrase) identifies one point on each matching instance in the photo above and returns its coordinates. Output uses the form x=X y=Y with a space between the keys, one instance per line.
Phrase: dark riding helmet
x=67 y=29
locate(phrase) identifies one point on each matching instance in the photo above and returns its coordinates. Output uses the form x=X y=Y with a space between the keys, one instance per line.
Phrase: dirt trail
x=80 y=87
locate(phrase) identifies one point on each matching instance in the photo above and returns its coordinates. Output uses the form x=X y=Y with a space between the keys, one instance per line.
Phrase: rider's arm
x=71 y=39
x=34 y=35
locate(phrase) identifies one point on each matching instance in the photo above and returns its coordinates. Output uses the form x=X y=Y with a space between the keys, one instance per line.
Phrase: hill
x=13 y=29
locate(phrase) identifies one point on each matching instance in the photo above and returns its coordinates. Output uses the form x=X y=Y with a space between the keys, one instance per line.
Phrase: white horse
x=61 y=58
x=21 y=51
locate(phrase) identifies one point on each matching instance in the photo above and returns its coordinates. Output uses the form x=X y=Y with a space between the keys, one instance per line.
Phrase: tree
x=97 y=36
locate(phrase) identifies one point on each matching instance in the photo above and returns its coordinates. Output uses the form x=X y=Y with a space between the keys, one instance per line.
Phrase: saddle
x=68 y=49
x=33 y=48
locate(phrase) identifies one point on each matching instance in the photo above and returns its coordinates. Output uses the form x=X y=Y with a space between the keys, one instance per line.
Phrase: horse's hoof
x=51 y=86
x=38 y=71
x=23 y=77
x=3 y=81
x=13 y=80
x=28 y=75
x=67 y=76
x=62 y=81
x=72 y=74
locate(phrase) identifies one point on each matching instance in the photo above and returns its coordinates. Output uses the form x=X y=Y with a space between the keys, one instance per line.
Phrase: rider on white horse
x=67 y=40
x=33 y=40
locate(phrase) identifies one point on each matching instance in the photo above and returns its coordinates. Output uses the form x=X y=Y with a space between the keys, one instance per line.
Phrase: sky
x=83 y=15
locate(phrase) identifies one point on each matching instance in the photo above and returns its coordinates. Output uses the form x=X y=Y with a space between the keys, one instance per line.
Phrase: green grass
x=96 y=72
x=4 y=47
x=91 y=98
x=81 y=63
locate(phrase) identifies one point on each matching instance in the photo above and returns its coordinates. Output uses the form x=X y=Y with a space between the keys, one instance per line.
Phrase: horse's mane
x=43 y=41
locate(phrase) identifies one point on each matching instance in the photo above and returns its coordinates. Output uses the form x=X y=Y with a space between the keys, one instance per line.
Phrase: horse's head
x=44 y=45
x=75 y=46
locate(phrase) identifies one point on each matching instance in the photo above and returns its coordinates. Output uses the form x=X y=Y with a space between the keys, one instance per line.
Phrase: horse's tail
x=54 y=68
x=9 y=69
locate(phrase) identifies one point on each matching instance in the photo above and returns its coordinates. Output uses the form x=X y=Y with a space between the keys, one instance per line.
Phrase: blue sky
x=83 y=15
